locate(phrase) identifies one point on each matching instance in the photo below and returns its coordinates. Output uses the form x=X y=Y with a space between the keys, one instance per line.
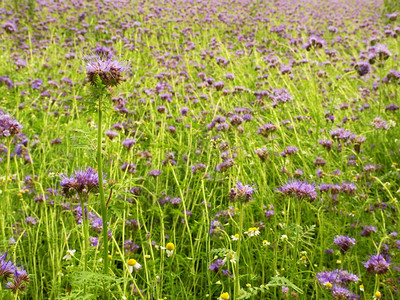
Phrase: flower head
x=253 y=231
x=8 y=126
x=7 y=268
x=242 y=192
x=108 y=70
x=80 y=182
x=69 y=254
x=170 y=247
x=377 y=264
x=133 y=264
x=299 y=189
x=224 y=296
x=344 y=243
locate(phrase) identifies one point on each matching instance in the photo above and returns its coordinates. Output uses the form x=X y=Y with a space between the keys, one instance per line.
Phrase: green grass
x=260 y=270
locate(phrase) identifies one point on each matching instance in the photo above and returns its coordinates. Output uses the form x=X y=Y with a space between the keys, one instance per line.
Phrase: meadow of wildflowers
x=216 y=149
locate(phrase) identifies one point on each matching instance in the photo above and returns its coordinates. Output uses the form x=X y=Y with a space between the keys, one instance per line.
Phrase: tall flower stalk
x=103 y=72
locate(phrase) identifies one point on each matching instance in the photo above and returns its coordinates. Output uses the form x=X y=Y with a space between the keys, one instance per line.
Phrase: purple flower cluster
x=344 y=243
x=17 y=278
x=377 y=265
x=338 y=281
x=242 y=193
x=8 y=126
x=299 y=189
x=83 y=181
x=108 y=70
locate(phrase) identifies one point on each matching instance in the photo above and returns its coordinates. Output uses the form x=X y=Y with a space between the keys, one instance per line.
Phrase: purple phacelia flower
x=128 y=143
x=7 y=267
x=342 y=293
x=108 y=70
x=242 y=193
x=344 y=243
x=336 y=277
x=216 y=265
x=8 y=126
x=289 y=151
x=81 y=182
x=299 y=189
x=266 y=129
x=154 y=173
x=377 y=265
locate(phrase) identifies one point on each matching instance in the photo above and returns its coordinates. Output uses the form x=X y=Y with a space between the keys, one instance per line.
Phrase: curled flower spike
x=108 y=70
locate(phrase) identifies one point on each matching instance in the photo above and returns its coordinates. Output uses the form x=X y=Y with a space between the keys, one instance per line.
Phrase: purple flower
x=80 y=182
x=130 y=168
x=8 y=126
x=344 y=243
x=377 y=265
x=339 y=292
x=21 y=279
x=7 y=81
x=289 y=151
x=367 y=230
x=108 y=70
x=9 y=27
x=215 y=227
x=341 y=134
x=7 y=268
x=111 y=134
x=348 y=188
x=266 y=129
x=363 y=68
x=242 y=193
x=326 y=144
x=128 y=143
x=336 y=277
x=216 y=265
x=299 y=189
x=30 y=221
x=94 y=241
x=154 y=173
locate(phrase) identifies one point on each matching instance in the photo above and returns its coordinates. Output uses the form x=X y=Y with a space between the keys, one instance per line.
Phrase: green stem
x=101 y=188
x=237 y=275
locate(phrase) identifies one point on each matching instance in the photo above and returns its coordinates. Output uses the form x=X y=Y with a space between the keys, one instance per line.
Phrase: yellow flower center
x=328 y=285
x=225 y=296
x=132 y=262
x=170 y=246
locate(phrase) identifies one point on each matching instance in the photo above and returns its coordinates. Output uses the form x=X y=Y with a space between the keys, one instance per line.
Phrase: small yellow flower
x=133 y=264
x=170 y=246
x=224 y=296
x=378 y=294
x=362 y=288
x=328 y=285
x=109 y=256
x=248 y=285
x=266 y=243
x=252 y=231
x=147 y=256
x=235 y=237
